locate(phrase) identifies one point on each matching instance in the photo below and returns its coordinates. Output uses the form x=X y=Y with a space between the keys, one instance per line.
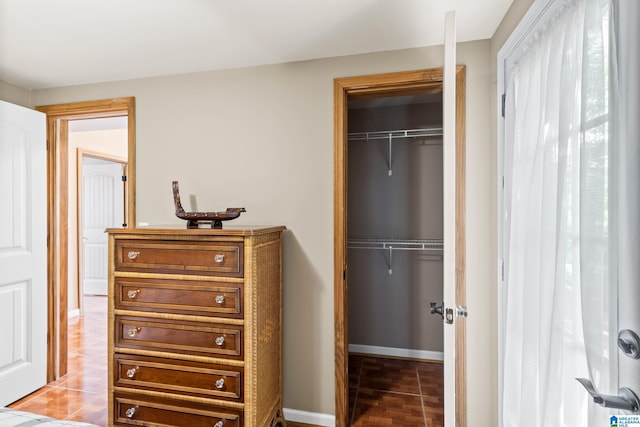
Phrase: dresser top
x=227 y=230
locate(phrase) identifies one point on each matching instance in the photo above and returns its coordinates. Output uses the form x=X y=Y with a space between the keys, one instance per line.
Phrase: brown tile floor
x=395 y=392
x=81 y=395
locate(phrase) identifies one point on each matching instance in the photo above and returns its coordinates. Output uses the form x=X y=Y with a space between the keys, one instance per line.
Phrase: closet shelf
x=390 y=245
x=397 y=244
x=394 y=134
x=390 y=135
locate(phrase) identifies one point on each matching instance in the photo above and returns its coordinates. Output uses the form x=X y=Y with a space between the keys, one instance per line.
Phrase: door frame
x=58 y=116
x=80 y=153
x=377 y=85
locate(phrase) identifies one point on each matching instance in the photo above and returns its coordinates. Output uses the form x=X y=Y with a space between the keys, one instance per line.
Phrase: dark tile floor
x=81 y=395
x=395 y=392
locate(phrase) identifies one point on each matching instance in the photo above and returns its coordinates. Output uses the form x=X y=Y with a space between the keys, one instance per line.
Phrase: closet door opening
x=395 y=232
x=378 y=92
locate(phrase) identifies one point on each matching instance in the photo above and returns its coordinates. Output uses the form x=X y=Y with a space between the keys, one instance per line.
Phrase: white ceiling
x=52 y=43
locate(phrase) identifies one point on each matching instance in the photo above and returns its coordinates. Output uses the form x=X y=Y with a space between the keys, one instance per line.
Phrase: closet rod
x=397 y=244
x=393 y=134
x=390 y=135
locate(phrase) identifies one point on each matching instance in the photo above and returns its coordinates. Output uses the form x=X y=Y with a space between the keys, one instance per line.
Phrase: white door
x=626 y=163
x=23 y=252
x=102 y=208
x=449 y=205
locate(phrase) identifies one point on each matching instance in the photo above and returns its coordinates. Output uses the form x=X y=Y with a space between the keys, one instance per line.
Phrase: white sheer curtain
x=558 y=293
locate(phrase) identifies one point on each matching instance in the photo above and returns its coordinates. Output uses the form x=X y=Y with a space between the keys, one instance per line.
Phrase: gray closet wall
x=392 y=310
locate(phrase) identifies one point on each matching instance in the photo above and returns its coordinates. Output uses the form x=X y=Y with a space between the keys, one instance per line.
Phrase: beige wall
x=262 y=138
x=15 y=94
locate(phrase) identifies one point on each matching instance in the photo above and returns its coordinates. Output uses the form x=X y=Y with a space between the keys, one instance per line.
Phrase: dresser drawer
x=134 y=409
x=181 y=257
x=177 y=376
x=175 y=336
x=205 y=298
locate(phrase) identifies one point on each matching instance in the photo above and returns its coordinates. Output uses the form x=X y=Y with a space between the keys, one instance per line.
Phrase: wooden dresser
x=195 y=327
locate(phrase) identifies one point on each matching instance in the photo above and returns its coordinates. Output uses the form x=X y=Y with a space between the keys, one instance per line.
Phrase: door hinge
x=501 y=269
x=504 y=101
x=124 y=178
x=47 y=144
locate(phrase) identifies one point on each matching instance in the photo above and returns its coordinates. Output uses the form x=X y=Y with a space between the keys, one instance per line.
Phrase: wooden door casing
x=58 y=116
x=373 y=86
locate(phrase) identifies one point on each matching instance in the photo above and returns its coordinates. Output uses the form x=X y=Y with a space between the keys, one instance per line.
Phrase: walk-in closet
x=395 y=232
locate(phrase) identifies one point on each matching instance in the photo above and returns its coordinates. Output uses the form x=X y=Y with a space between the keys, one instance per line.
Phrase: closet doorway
x=388 y=224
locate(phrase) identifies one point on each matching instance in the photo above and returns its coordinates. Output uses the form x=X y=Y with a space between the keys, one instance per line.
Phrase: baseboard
x=312 y=418
x=396 y=352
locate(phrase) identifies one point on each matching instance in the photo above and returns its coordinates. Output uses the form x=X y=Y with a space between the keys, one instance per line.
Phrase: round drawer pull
x=131 y=412
x=219 y=258
x=220 y=384
x=219 y=341
x=133 y=332
x=219 y=424
x=133 y=254
x=220 y=299
x=133 y=293
x=132 y=372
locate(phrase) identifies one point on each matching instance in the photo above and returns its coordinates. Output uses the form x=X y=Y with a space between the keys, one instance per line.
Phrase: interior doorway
x=98 y=164
x=423 y=83
x=58 y=166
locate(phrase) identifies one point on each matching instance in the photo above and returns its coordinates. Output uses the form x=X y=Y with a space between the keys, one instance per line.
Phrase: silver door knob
x=437 y=309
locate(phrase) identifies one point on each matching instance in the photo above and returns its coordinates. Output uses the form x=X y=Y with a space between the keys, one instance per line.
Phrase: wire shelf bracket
x=390 y=135
x=390 y=245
